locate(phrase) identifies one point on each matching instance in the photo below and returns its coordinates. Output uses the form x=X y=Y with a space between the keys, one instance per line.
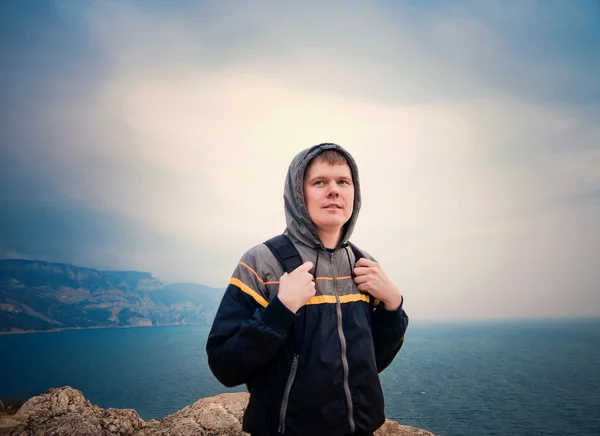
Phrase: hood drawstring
x=316 y=263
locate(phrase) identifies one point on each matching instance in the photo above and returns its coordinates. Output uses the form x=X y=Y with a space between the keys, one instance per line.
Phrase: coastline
x=25 y=332
x=584 y=319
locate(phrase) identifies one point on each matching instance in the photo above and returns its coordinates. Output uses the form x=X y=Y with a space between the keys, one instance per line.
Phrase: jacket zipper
x=286 y=394
x=343 y=345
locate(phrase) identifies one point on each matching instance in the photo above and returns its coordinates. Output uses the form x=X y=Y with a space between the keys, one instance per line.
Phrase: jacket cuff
x=277 y=316
x=390 y=318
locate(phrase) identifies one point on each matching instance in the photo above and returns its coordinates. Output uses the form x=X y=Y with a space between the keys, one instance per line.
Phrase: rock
x=392 y=428
x=218 y=415
x=66 y=411
x=7 y=423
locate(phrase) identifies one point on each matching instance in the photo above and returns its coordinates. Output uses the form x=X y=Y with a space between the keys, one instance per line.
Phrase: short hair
x=332 y=157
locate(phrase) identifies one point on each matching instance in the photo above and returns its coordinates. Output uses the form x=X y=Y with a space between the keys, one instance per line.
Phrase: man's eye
x=318 y=182
x=344 y=182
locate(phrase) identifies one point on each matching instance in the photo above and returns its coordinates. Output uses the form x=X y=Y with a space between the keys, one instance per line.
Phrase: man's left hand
x=371 y=278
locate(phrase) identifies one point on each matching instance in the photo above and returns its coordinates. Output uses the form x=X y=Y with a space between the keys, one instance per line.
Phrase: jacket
x=315 y=372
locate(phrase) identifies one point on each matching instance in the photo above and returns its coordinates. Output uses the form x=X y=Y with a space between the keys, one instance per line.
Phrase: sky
x=156 y=136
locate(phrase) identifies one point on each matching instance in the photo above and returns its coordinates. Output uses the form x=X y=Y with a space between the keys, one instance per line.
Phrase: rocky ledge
x=66 y=411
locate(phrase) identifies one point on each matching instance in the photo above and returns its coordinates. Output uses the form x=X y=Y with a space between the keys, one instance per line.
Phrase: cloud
x=474 y=130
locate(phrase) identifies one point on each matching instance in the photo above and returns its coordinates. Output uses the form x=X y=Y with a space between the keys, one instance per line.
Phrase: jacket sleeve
x=389 y=327
x=248 y=330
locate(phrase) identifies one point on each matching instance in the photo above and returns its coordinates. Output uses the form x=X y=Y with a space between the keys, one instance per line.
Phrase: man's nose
x=333 y=190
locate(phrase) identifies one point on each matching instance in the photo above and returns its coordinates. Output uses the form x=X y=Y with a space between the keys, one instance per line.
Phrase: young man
x=310 y=345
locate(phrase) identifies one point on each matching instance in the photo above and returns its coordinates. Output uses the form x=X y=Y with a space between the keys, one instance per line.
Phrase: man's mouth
x=333 y=206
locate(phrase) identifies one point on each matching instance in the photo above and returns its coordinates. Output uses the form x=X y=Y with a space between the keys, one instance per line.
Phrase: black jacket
x=315 y=372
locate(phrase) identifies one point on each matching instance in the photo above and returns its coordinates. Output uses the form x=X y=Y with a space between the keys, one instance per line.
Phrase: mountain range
x=41 y=296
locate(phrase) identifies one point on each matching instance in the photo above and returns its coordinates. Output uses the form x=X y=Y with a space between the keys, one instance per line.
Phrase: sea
x=534 y=377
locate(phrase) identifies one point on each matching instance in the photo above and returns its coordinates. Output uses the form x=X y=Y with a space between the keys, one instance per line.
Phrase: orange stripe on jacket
x=330 y=299
x=331 y=278
x=277 y=282
x=252 y=271
x=248 y=290
x=318 y=278
x=318 y=299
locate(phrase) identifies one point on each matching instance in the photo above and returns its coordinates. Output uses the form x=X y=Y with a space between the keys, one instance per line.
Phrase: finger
x=305 y=267
x=363 y=287
x=365 y=262
x=360 y=280
x=361 y=271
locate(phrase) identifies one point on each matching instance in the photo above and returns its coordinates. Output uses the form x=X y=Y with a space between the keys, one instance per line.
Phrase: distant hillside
x=36 y=295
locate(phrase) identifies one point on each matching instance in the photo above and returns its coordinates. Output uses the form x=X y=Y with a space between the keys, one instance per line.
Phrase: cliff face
x=37 y=295
x=66 y=411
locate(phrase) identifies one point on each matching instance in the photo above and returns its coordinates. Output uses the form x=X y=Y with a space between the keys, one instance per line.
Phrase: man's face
x=329 y=195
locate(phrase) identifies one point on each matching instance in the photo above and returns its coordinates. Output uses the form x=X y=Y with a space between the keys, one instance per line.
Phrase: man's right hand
x=296 y=288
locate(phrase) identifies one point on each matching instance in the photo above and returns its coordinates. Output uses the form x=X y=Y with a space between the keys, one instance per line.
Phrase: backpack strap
x=357 y=255
x=285 y=252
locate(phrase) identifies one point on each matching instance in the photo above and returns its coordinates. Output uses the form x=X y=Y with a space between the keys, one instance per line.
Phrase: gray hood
x=298 y=223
